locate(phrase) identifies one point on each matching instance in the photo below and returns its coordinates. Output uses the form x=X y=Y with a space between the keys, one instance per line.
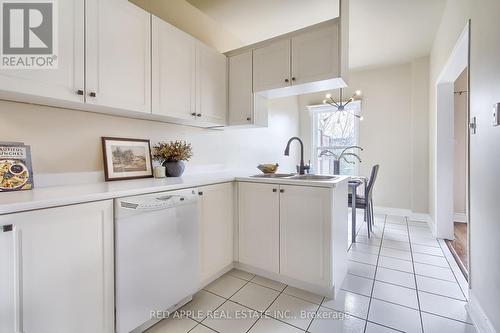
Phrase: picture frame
x=126 y=158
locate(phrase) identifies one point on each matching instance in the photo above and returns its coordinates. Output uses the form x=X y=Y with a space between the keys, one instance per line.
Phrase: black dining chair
x=366 y=202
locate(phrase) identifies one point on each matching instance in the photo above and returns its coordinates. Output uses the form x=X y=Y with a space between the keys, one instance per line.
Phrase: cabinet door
x=315 y=55
x=118 y=62
x=60 y=270
x=61 y=83
x=271 y=66
x=211 y=71
x=174 y=54
x=240 y=89
x=258 y=212
x=215 y=229
x=305 y=232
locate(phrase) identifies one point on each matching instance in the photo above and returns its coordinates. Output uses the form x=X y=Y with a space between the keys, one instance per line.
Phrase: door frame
x=458 y=61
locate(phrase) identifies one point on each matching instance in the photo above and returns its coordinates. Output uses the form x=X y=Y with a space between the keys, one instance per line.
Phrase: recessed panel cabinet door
x=215 y=229
x=211 y=72
x=271 y=66
x=240 y=89
x=174 y=61
x=258 y=211
x=305 y=233
x=63 y=82
x=58 y=268
x=118 y=61
x=315 y=55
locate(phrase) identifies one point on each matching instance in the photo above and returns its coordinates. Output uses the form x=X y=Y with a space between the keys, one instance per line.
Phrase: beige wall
x=69 y=141
x=393 y=132
x=484 y=157
x=460 y=138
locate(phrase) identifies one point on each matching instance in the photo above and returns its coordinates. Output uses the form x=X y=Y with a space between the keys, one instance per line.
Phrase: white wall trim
x=478 y=316
x=419 y=217
x=460 y=217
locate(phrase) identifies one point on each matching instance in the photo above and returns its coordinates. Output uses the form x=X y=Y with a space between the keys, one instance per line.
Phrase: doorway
x=451 y=159
x=458 y=246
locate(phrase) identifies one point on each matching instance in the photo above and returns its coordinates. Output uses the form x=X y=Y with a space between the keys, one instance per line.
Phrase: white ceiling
x=382 y=32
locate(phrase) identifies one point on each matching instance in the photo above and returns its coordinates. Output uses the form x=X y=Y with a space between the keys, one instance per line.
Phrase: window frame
x=314 y=111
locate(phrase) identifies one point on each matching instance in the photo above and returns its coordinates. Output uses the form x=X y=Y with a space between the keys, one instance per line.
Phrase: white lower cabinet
x=216 y=232
x=305 y=219
x=296 y=234
x=56 y=270
x=258 y=216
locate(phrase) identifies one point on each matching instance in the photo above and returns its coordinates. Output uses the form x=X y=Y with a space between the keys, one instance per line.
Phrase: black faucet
x=301 y=168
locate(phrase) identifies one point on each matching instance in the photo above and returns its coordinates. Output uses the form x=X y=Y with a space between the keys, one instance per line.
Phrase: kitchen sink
x=312 y=177
x=273 y=175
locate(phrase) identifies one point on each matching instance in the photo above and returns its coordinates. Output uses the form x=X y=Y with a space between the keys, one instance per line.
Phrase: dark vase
x=174 y=168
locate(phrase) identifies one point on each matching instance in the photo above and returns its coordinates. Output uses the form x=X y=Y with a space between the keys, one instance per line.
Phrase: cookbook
x=16 y=173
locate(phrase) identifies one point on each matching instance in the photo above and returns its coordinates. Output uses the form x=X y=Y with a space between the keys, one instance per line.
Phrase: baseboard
x=419 y=217
x=460 y=217
x=479 y=318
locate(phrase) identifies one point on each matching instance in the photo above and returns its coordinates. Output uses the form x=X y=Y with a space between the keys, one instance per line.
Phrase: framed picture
x=126 y=158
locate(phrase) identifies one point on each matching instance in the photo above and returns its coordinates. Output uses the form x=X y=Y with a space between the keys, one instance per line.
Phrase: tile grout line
x=416 y=285
x=315 y=314
x=373 y=284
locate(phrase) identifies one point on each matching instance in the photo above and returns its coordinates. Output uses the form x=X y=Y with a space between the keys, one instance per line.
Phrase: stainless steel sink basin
x=312 y=177
x=273 y=175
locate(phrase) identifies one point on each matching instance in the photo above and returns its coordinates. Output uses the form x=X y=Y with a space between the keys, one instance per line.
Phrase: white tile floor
x=399 y=281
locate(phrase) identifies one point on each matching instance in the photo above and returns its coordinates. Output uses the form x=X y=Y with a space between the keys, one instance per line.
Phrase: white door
x=215 y=229
x=258 y=215
x=174 y=61
x=240 y=89
x=271 y=66
x=118 y=49
x=211 y=92
x=58 y=264
x=64 y=82
x=315 y=55
x=305 y=232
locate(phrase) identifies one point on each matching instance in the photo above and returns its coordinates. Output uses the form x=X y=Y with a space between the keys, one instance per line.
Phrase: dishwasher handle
x=158 y=203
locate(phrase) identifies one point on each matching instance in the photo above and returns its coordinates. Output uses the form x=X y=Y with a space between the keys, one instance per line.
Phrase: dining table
x=355 y=182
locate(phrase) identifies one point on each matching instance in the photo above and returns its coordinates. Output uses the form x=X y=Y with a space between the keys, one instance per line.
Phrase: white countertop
x=54 y=196
x=287 y=181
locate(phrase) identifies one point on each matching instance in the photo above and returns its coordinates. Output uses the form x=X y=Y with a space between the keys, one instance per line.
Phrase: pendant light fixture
x=340 y=106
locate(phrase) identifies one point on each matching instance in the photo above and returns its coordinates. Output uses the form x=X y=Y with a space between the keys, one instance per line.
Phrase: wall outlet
x=496 y=114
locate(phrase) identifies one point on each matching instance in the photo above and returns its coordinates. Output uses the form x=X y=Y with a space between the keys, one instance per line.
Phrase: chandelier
x=341 y=105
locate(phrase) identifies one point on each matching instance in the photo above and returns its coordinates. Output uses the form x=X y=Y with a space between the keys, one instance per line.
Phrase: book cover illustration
x=15 y=167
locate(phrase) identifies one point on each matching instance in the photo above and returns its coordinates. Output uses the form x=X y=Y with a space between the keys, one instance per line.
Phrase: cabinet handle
x=79 y=92
x=200 y=193
x=193 y=114
x=286 y=80
x=293 y=79
x=7 y=228
x=92 y=94
x=282 y=191
x=248 y=118
x=275 y=190
x=198 y=115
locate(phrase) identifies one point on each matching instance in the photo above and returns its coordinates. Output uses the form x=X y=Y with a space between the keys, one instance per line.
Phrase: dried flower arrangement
x=173 y=151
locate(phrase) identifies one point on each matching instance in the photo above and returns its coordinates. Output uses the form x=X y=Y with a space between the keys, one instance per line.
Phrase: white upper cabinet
x=240 y=89
x=258 y=216
x=56 y=270
x=45 y=86
x=211 y=86
x=315 y=55
x=216 y=237
x=174 y=61
x=271 y=66
x=118 y=55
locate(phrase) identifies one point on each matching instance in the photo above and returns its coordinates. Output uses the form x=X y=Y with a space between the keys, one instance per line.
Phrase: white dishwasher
x=156 y=255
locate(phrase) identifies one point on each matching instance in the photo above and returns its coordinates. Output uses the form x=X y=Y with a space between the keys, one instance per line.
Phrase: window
x=332 y=132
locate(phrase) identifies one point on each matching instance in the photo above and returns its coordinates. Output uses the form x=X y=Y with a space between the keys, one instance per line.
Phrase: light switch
x=496 y=116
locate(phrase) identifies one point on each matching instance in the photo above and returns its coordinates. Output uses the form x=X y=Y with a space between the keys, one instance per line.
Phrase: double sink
x=292 y=176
